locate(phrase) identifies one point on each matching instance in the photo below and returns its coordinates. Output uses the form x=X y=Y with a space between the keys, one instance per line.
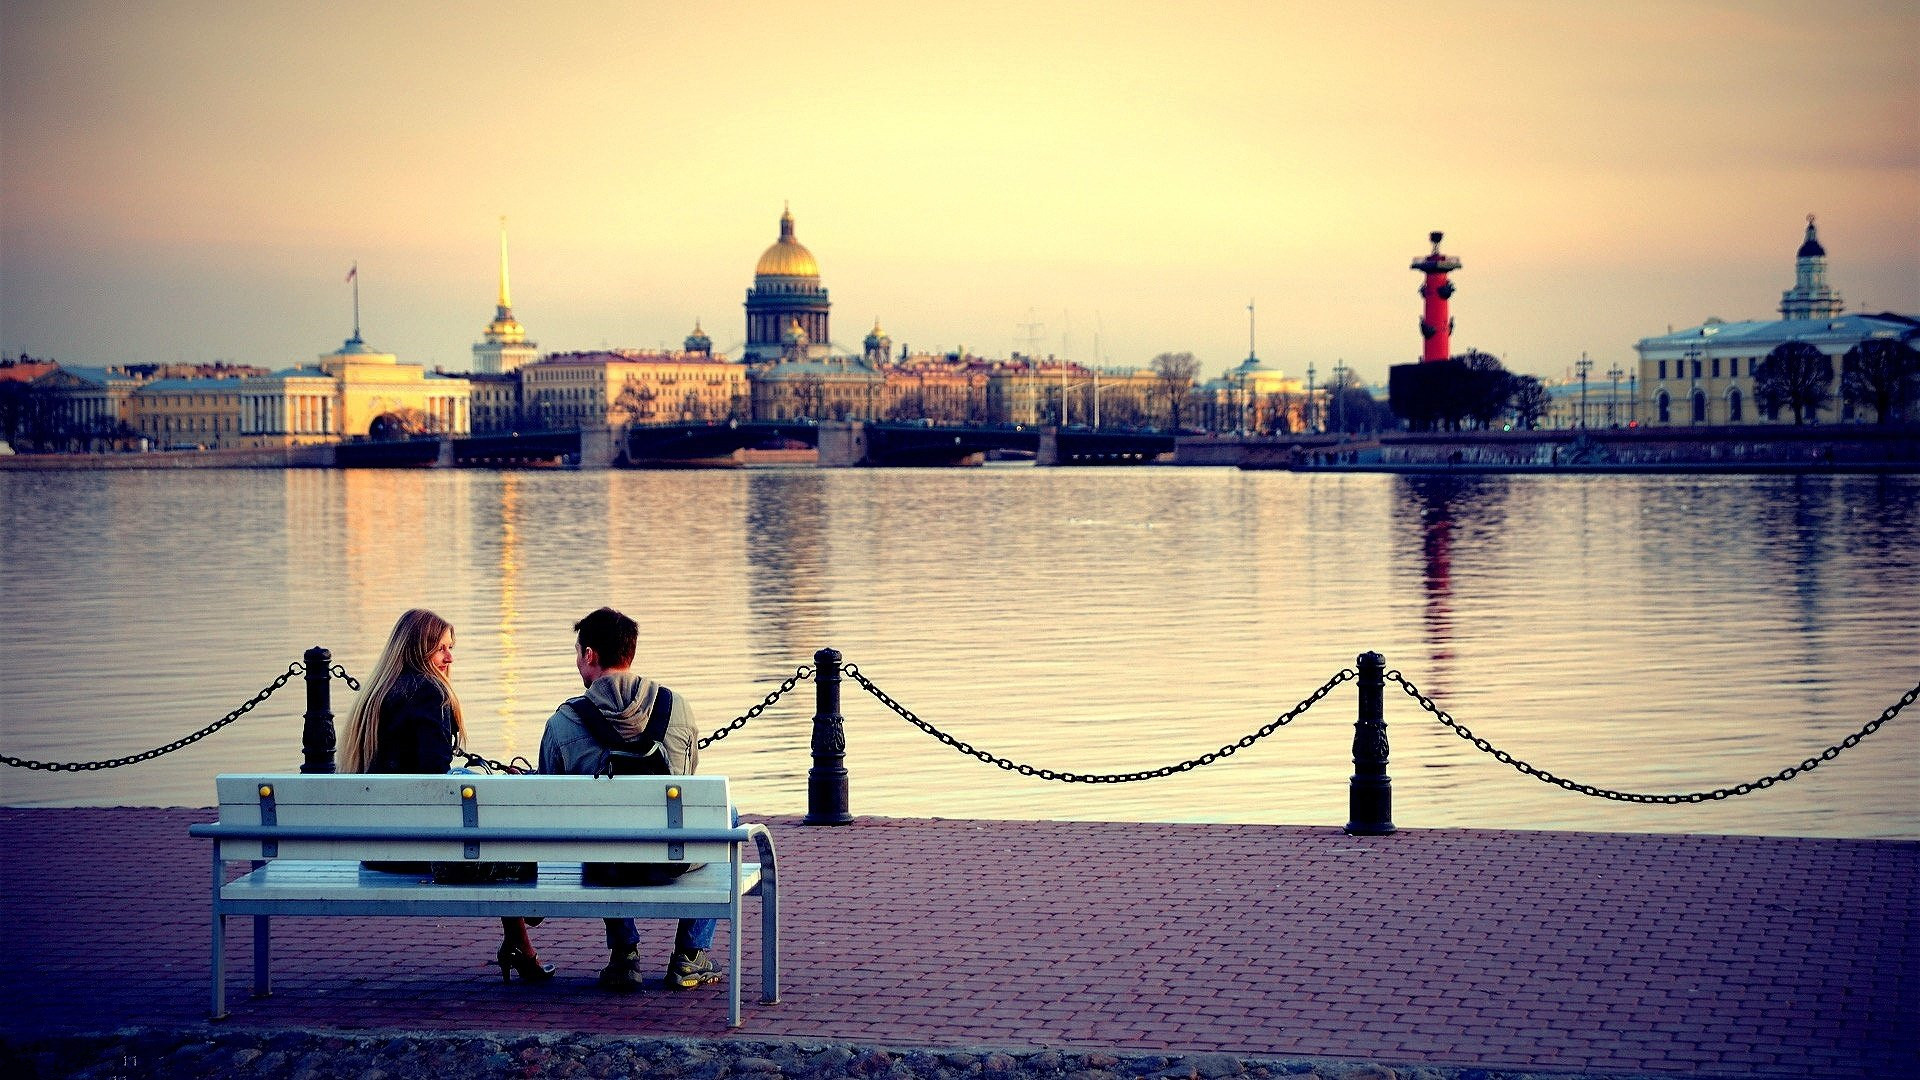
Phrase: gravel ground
x=156 y=1054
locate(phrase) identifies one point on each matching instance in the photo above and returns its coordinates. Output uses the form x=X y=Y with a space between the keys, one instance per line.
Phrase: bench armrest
x=763 y=840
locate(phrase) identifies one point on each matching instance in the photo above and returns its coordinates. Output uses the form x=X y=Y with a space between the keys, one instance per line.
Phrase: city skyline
x=188 y=183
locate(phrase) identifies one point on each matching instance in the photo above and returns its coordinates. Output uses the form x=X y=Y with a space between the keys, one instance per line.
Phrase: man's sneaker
x=622 y=973
x=688 y=969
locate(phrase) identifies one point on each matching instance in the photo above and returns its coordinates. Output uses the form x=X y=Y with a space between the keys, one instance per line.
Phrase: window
x=1716 y=367
x=1663 y=371
x=1666 y=407
x=1696 y=369
x=1699 y=406
x=1733 y=367
x=1734 y=414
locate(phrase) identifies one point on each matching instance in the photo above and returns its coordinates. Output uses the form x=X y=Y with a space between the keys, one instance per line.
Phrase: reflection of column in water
x=787 y=554
x=1446 y=508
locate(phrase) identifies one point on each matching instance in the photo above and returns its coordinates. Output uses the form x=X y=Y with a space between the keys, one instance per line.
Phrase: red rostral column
x=1436 y=325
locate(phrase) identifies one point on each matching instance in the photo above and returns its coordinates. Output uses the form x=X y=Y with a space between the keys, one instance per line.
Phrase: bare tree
x=1531 y=401
x=1176 y=372
x=634 y=403
x=1882 y=374
x=1797 y=376
x=810 y=393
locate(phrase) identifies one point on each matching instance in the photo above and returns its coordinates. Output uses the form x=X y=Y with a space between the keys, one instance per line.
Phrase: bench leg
x=262 y=933
x=219 y=967
x=769 y=942
x=733 y=956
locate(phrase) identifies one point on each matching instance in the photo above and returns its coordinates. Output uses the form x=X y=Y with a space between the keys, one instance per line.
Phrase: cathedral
x=787 y=306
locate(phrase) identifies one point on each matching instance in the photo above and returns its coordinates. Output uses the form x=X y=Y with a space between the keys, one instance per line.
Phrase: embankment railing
x=1370 y=789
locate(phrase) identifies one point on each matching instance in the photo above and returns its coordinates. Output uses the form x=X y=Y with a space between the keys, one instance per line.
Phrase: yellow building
x=380 y=396
x=630 y=386
x=181 y=414
x=1251 y=397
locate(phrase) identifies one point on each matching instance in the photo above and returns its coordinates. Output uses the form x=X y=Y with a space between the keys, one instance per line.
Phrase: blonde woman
x=407 y=720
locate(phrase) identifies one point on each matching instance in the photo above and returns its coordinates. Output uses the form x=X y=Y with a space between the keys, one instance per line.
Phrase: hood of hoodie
x=626 y=699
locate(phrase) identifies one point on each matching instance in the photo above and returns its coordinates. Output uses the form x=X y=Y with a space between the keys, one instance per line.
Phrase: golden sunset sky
x=191 y=181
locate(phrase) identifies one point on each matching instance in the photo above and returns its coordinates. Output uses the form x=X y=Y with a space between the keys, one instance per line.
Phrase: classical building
x=631 y=386
x=1251 y=397
x=504 y=345
x=494 y=402
x=1704 y=374
x=786 y=291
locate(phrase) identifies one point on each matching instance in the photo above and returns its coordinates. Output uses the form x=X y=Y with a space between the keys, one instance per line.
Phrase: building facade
x=1703 y=375
x=631 y=386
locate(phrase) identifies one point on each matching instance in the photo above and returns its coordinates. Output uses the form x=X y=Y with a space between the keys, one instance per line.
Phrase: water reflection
x=1436 y=513
x=1642 y=633
x=787 y=525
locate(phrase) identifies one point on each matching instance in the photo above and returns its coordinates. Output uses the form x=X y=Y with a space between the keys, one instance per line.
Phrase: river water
x=1642 y=633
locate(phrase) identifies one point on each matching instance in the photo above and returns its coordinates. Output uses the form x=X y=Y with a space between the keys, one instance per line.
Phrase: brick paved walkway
x=1592 y=952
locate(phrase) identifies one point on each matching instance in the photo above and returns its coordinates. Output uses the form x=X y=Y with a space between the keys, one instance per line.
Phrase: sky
x=1106 y=181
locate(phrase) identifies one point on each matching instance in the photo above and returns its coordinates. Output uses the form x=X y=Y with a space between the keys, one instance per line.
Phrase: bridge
x=840 y=444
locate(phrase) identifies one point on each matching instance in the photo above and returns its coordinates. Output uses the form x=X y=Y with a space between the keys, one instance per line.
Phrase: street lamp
x=1613 y=395
x=1583 y=365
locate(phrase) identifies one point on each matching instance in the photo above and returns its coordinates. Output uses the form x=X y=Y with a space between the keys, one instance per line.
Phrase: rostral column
x=1435 y=324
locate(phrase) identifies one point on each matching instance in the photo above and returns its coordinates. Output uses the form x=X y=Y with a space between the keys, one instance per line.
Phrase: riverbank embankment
x=1588 y=953
x=1831 y=448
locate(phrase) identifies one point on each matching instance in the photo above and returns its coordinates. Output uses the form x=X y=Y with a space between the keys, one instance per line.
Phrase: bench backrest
x=547 y=817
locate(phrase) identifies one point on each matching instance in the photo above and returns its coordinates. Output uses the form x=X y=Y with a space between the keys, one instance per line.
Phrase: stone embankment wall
x=1677 y=449
x=297 y=457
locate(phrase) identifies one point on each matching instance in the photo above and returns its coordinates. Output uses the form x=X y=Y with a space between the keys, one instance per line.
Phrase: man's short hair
x=611 y=635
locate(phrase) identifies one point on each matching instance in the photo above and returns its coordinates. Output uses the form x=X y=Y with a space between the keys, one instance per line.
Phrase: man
x=641 y=716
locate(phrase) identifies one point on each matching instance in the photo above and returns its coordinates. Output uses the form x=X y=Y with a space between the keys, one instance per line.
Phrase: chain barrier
x=800 y=675
x=1761 y=784
x=853 y=672
x=296 y=668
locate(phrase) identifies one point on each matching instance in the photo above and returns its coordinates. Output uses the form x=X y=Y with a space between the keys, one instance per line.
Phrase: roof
x=1763 y=335
x=198 y=386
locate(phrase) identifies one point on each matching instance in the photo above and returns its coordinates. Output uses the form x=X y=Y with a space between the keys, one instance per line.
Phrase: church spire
x=506 y=301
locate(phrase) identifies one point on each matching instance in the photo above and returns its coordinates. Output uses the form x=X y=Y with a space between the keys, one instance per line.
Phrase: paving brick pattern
x=1589 y=952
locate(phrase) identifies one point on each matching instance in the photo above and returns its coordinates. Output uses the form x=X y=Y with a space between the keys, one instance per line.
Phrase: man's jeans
x=693 y=934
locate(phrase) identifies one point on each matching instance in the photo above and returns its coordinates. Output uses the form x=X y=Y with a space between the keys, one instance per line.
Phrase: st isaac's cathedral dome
x=787 y=257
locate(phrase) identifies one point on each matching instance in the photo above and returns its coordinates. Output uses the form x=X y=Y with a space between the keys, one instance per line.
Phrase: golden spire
x=506 y=304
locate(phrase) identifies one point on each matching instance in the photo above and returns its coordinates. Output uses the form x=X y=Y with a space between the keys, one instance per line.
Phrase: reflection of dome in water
x=787 y=257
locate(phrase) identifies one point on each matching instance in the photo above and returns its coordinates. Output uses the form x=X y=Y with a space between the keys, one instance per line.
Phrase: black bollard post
x=827 y=780
x=316 y=739
x=1370 y=793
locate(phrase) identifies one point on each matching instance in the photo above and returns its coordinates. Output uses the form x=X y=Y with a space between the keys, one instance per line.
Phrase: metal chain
x=800 y=675
x=296 y=668
x=1761 y=784
x=853 y=672
x=520 y=765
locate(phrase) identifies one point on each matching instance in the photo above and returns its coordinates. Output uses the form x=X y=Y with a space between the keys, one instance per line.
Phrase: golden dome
x=787 y=257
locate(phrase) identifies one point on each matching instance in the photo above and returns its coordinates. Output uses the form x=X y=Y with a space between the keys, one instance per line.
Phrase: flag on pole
x=354 y=272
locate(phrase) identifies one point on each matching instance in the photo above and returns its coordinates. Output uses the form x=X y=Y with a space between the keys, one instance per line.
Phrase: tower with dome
x=786 y=293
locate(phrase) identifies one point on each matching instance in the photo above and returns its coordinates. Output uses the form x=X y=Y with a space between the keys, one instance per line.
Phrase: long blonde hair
x=409 y=647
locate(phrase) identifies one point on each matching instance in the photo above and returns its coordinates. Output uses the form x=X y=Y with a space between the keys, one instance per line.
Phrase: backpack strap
x=604 y=733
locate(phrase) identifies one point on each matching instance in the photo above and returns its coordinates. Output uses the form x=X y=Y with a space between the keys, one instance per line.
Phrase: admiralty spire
x=504 y=346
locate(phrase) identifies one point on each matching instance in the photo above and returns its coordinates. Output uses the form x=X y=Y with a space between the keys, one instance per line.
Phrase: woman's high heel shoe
x=512 y=959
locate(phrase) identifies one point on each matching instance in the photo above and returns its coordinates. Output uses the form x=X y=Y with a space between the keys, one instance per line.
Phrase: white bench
x=306 y=836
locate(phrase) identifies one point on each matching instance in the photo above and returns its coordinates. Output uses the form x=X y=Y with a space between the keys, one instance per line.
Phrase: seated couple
x=407 y=720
